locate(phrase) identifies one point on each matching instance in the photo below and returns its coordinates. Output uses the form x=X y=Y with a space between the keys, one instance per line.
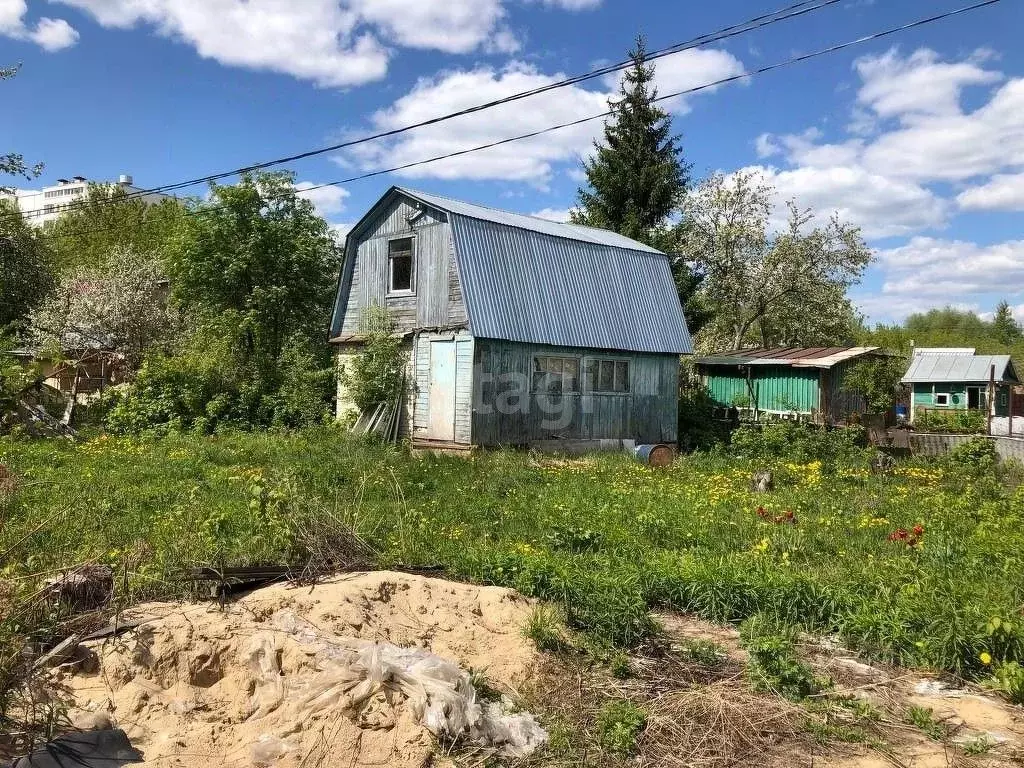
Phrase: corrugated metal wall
x=507 y=413
x=777 y=388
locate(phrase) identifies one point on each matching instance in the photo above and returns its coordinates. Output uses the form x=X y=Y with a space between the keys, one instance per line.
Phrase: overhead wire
x=782 y=14
x=695 y=89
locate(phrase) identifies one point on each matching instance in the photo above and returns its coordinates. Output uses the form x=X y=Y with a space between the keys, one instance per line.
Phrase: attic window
x=400 y=265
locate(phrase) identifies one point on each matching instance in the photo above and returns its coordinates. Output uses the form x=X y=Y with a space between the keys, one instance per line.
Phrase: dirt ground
x=197 y=683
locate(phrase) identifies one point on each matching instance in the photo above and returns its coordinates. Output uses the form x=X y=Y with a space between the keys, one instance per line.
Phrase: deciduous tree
x=764 y=286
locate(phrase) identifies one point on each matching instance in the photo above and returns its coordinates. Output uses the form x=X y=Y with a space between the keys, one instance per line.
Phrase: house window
x=556 y=375
x=606 y=375
x=941 y=398
x=400 y=265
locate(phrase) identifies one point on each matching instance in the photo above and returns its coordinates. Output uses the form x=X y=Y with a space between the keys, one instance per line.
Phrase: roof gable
x=536 y=281
x=946 y=367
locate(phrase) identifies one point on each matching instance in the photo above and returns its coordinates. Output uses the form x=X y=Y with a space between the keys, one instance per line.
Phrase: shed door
x=441 y=408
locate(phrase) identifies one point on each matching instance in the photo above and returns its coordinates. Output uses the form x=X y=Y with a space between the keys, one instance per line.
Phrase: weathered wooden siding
x=924 y=396
x=506 y=412
x=436 y=301
x=463 y=384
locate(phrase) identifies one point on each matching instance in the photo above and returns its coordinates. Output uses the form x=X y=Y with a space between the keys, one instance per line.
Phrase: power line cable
x=782 y=14
x=532 y=134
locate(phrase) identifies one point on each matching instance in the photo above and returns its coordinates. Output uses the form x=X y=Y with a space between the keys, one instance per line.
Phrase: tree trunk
x=69 y=409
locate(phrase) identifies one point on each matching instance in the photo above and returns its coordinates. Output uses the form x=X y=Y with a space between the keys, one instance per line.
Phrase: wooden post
x=991 y=403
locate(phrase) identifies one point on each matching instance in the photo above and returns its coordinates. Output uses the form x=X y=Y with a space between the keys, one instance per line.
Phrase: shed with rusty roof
x=803 y=382
x=518 y=329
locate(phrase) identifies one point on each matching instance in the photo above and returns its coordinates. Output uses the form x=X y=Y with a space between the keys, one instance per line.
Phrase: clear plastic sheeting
x=349 y=675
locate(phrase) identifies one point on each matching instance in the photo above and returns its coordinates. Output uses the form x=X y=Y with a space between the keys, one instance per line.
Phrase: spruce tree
x=1006 y=329
x=637 y=176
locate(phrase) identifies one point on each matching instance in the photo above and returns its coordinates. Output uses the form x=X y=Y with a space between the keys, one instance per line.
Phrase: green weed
x=774 y=664
x=545 y=627
x=619 y=725
x=924 y=719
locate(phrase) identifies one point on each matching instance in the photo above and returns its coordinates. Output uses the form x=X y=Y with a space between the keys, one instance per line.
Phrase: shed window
x=400 y=265
x=556 y=375
x=941 y=398
x=607 y=375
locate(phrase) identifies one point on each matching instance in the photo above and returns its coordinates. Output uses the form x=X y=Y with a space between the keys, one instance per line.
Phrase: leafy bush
x=799 y=442
x=774 y=665
x=619 y=725
x=375 y=374
x=956 y=422
x=698 y=428
x=977 y=455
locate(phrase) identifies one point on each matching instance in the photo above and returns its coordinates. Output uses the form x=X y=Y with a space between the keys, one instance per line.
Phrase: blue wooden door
x=441 y=406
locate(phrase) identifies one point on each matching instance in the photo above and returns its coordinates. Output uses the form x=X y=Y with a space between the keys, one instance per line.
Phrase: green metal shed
x=958 y=379
x=806 y=382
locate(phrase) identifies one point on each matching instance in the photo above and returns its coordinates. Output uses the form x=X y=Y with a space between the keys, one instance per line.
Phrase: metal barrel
x=654 y=455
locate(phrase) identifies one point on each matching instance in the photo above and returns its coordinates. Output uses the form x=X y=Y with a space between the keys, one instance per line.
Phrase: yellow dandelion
x=985 y=658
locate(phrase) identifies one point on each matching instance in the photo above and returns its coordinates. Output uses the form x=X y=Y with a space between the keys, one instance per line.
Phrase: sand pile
x=346 y=673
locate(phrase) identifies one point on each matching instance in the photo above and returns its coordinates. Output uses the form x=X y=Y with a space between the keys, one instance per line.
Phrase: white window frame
x=411 y=290
x=944 y=403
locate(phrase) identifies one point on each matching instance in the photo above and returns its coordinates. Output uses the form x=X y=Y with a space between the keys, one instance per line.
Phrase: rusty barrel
x=654 y=455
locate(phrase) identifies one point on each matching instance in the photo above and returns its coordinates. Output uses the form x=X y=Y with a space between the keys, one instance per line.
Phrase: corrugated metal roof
x=532 y=280
x=798 y=357
x=532 y=223
x=945 y=367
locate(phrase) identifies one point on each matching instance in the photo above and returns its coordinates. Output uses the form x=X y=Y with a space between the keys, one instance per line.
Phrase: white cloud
x=685 y=70
x=1004 y=192
x=920 y=84
x=880 y=206
x=328 y=201
x=952 y=269
x=552 y=214
x=453 y=26
x=528 y=160
x=49 y=34
x=531 y=160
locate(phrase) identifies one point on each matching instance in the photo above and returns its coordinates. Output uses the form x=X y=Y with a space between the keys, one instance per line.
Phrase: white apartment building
x=48 y=203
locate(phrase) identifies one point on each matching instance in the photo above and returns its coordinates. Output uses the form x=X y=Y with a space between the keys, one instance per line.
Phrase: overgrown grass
x=603 y=537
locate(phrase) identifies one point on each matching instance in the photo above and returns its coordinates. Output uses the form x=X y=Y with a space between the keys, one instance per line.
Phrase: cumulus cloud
x=1003 y=192
x=919 y=84
x=328 y=201
x=952 y=269
x=881 y=206
x=685 y=70
x=49 y=34
x=530 y=160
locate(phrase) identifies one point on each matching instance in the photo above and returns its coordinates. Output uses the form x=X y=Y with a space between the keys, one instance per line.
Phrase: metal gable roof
x=797 y=357
x=928 y=367
x=532 y=223
x=532 y=280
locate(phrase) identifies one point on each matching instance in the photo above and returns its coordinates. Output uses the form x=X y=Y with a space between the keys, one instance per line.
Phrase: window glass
x=555 y=375
x=606 y=375
x=400 y=264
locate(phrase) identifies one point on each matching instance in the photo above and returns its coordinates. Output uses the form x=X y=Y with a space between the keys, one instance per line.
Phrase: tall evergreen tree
x=1004 y=327
x=637 y=176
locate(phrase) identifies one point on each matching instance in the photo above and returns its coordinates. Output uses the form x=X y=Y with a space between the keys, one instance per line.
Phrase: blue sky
x=917 y=138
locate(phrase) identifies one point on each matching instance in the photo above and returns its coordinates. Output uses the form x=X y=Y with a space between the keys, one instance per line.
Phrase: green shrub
x=959 y=422
x=793 y=441
x=773 y=664
x=375 y=375
x=698 y=427
x=977 y=455
x=619 y=725
x=1009 y=679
